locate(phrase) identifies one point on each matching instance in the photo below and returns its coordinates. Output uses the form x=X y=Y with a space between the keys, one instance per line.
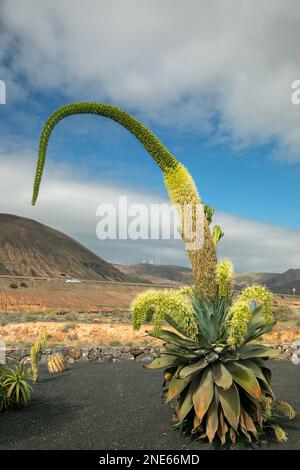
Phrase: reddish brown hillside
x=29 y=248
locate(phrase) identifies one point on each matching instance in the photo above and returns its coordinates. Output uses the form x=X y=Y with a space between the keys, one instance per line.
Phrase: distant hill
x=246 y=279
x=178 y=275
x=282 y=283
x=29 y=248
x=285 y=282
x=158 y=274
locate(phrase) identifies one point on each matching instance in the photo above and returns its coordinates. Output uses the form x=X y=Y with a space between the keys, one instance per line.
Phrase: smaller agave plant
x=214 y=368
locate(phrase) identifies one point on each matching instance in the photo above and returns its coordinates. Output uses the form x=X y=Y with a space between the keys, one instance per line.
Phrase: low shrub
x=13 y=285
x=67 y=327
x=71 y=316
x=15 y=390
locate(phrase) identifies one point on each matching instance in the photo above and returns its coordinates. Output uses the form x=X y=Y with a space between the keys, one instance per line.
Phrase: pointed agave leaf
x=258 y=372
x=196 y=425
x=212 y=356
x=248 y=422
x=230 y=402
x=212 y=420
x=265 y=370
x=250 y=351
x=193 y=367
x=173 y=338
x=176 y=387
x=267 y=373
x=243 y=427
x=246 y=379
x=232 y=434
x=175 y=325
x=185 y=405
x=167 y=360
x=181 y=354
x=257 y=319
x=222 y=429
x=255 y=369
x=258 y=408
x=222 y=376
x=259 y=332
x=204 y=393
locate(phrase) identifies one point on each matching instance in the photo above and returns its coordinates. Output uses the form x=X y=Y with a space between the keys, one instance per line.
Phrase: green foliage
x=15 y=390
x=222 y=387
x=217 y=234
x=35 y=354
x=221 y=393
x=209 y=212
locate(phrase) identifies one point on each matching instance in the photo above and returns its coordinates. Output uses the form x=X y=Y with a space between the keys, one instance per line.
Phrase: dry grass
x=81 y=334
x=53 y=305
x=105 y=333
x=21 y=303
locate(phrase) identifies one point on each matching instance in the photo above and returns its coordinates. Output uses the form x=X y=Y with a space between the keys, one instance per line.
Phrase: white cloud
x=178 y=62
x=69 y=204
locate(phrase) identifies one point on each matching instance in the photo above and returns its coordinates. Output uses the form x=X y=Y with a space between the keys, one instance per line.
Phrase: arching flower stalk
x=157 y=305
x=179 y=183
x=240 y=313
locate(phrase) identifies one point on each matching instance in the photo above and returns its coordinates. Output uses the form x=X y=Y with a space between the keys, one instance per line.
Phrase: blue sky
x=248 y=182
x=222 y=110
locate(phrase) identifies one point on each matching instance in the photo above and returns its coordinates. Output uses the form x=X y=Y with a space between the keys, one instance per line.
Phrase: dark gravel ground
x=109 y=406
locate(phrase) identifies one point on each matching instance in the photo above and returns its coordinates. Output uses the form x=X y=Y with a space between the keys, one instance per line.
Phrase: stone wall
x=95 y=354
x=121 y=353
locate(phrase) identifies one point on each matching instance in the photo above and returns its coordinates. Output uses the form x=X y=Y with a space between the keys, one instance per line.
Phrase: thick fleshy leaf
x=176 y=387
x=257 y=319
x=248 y=422
x=212 y=420
x=222 y=376
x=246 y=379
x=184 y=355
x=250 y=351
x=204 y=393
x=232 y=434
x=267 y=373
x=258 y=408
x=212 y=356
x=230 y=402
x=223 y=428
x=254 y=367
x=193 y=367
x=258 y=372
x=243 y=427
x=259 y=332
x=229 y=356
x=173 y=338
x=167 y=360
x=185 y=406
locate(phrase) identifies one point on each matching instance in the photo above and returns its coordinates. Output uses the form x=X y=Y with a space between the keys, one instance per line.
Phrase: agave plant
x=15 y=390
x=213 y=368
